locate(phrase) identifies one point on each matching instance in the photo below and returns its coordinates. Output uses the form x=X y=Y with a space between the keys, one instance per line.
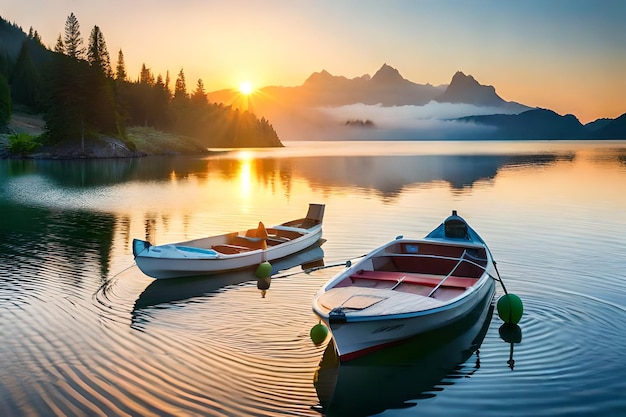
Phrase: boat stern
x=316 y=212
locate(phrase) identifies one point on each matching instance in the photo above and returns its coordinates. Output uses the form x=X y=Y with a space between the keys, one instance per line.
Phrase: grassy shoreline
x=147 y=141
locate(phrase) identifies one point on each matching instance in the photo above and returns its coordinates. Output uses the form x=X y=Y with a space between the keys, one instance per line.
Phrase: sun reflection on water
x=245 y=174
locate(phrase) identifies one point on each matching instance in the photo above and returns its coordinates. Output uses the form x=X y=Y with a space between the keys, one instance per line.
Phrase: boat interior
x=262 y=238
x=429 y=269
x=259 y=237
x=253 y=239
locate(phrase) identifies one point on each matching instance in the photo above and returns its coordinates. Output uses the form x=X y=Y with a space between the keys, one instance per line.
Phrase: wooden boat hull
x=226 y=252
x=405 y=288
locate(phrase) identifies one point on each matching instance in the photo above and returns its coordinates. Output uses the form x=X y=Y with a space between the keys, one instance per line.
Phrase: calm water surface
x=84 y=332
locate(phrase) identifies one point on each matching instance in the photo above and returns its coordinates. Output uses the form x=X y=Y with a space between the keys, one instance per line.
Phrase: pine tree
x=32 y=34
x=180 y=88
x=120 y=69
x=159 y=106
x=121 y=87
x=66 y=98
x=97 y=53
x=198 y=97
x=180 y=105
x=59 y=47
x=73 y=41
x=145 y=76
x=5 y=101
x=26 y=80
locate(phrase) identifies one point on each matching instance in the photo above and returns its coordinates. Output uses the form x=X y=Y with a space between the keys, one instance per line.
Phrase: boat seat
x=412 y=278
x=230 y=249
x=277 y=239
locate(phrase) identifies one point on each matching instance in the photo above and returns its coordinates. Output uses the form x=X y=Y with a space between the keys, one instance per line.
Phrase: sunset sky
x=565 y=55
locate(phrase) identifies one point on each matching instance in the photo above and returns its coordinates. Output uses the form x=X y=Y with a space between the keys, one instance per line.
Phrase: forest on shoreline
x=83 y=99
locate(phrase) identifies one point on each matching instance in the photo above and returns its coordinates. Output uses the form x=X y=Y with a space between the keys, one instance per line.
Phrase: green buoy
x=510 y=308
x=318 y=333
x=264 y=270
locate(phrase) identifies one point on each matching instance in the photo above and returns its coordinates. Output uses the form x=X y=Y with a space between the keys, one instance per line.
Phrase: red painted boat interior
x=419 y=268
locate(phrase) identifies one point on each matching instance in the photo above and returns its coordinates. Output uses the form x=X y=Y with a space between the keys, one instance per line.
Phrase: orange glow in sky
x=568 y=56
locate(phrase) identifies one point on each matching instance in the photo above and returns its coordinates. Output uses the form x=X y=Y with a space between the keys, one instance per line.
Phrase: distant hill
x=531 y=124
x=613 y=129
x=597 y=124
x=546 y=124
x=12 y=38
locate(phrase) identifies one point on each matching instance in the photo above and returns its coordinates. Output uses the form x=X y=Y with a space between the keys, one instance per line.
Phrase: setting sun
x=245 y=88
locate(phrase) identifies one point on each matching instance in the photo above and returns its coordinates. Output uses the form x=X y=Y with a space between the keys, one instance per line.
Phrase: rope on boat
x=449 y=274
x=510 y=307
x=123 y=270
x=499 y=278
x=107 y=284
x=316 y=268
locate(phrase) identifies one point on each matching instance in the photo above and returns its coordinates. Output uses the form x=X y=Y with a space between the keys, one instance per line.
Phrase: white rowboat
x=230 y=251
x=407 y=287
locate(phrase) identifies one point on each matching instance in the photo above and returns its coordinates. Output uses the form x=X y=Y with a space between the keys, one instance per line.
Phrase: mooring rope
x=347 y=264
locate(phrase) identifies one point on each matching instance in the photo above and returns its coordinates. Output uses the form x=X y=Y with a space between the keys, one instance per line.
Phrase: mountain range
x=387 y=106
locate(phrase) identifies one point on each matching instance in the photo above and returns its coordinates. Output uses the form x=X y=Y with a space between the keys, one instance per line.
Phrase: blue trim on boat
x=196 y=250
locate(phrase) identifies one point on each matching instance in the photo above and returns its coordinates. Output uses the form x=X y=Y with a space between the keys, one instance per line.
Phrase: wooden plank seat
x=230 y=249
x=412 y=278
x=277 y=240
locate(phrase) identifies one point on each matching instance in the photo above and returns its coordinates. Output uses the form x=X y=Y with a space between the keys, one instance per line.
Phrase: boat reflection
x=397 y=377
x=168 y=291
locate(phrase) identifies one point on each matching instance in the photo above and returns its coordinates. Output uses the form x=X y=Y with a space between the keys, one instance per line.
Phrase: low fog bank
x=433 y=121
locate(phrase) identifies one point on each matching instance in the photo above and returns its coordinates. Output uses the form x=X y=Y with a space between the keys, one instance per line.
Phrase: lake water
x=84 y=332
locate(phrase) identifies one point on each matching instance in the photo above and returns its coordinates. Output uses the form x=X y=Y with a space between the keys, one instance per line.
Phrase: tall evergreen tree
x=26 y=81
x=159 y=106
x=180 y=88
x=101 y=111
x=141 y=99
x=120 y=69
x=97 y=53
x=121 y=87
x=73 y=41
x=5 y=101
x=145 y=76
x=180 y=105
x=198 y=97
x=66 y=98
